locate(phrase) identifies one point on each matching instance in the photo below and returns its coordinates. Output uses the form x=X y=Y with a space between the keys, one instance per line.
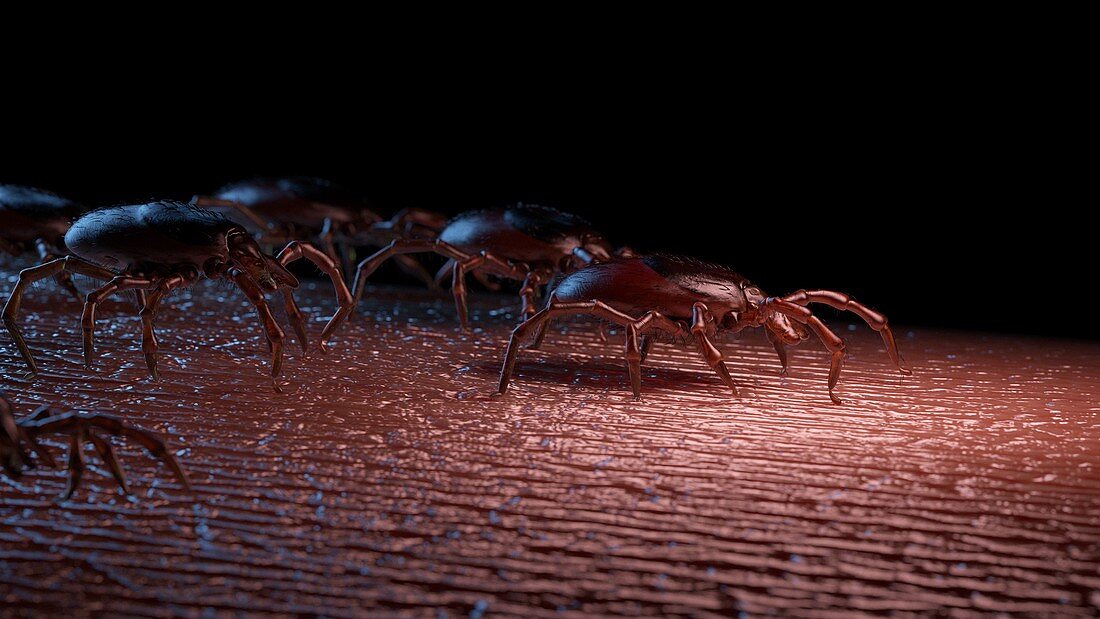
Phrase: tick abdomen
x=629 y=286
x=300 y=201
x=523 y=233
x=165 y=232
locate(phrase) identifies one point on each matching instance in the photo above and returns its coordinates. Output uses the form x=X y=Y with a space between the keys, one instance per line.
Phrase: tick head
x=245 y=254
x=598 y=246
x=787 y=330
x=754 y=297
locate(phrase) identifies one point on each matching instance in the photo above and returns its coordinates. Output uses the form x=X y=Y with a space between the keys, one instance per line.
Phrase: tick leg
x=42 y=412
x=834 y=344
x=296 y=250
x=399 y=247
x=411 y=267
x=271 y=328
x=328 y=240
x=347 y=256
x=531 y=279
x=13 y=437
x=647 y=345
x=36 y=273
x=107 y=454
x=149 y=343
x=87 y=319
x=458 y=287
x=701 y=316
x=64 y=278
x=76 y=463
x=396 y=248
x=415 y=222
x=544 y=326
x=527 y=292
x=780 y=349
x=873 y=319
x=487 y=262
x=80 y=425
x=297 y=319
x=651 y=320
x=481 y=276
x=633 y=357
x=445 y=271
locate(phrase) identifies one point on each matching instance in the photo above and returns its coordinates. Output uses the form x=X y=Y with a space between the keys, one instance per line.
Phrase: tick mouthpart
x=267 y=282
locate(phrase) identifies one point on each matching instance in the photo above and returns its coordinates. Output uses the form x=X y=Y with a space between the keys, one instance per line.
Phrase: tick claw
x=151 y=362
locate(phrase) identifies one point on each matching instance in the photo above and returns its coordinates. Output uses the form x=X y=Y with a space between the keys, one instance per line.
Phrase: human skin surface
x=388 y=478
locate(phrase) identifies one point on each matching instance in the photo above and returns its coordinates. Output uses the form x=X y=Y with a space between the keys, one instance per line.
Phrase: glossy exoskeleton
x=684 y=297
x=310 y=209
x=157 y=247
x=36 y=219
x=17 y=436
x=524 y=242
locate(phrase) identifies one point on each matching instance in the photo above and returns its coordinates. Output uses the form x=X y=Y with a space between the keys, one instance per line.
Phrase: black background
x=943 y=197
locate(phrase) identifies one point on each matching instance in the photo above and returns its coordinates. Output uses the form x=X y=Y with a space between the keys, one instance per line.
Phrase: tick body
x=692 y=300
x=525 y=243
x=33 y=219
x=157 y=247
x=301 y=208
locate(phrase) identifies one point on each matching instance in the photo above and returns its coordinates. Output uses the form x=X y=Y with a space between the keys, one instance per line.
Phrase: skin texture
x=525 y=243
x=156 y=247
x=692 y=300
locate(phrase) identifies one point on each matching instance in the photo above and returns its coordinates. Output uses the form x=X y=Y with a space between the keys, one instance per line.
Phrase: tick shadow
x=594 y=374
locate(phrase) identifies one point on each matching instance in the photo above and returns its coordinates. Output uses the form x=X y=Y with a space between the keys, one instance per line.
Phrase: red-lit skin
x=678 y=296
x=315 y=210
x=525 y=243
x=157 y=247
x=17 y=436
x=36 y=219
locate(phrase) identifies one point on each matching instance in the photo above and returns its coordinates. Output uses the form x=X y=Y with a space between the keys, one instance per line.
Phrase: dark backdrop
x=942 y=203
